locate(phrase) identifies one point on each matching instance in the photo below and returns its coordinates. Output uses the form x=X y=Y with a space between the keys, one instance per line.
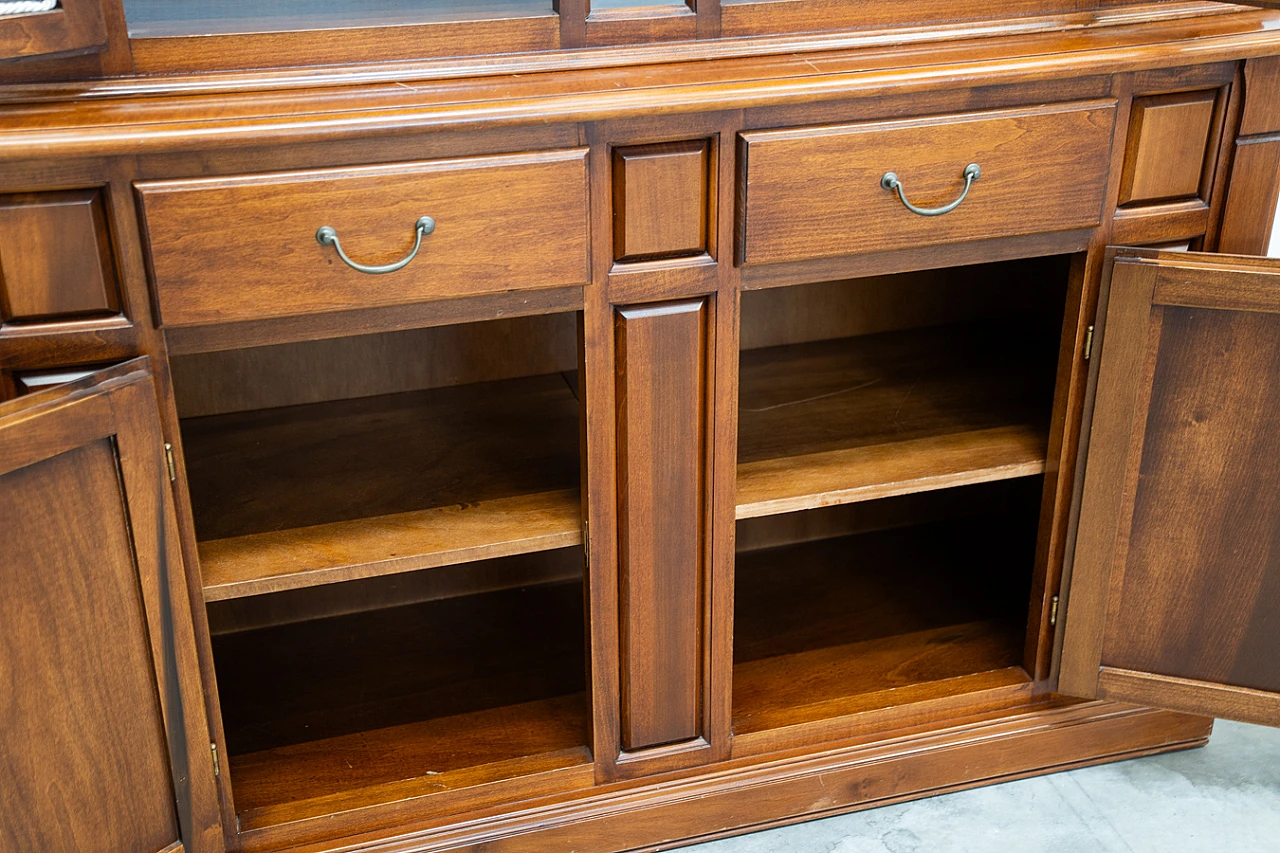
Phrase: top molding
x=137 y=116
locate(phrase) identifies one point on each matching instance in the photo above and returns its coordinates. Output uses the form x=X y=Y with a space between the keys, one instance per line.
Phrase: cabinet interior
x=420 y=628
x=450 y=691
x=893 y=434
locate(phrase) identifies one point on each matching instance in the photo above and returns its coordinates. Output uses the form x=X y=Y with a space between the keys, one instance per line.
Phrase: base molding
x=728 y=802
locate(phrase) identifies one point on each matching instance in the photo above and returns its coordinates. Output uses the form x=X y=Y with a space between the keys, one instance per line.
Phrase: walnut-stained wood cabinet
x=521 y=427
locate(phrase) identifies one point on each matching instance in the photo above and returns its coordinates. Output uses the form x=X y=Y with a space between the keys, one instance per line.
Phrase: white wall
x=1274 y=251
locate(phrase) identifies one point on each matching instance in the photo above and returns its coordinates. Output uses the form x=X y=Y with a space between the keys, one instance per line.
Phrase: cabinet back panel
x=868 y=306
x=301 y=605
x=839 y=626
x=794 y=528
x=265 y=377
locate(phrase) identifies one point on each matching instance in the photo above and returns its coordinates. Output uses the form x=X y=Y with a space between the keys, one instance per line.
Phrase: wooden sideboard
x=437 y=426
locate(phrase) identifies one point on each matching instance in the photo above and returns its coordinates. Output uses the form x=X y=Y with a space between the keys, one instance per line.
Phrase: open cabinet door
x=65 y=27
x=103 y=742
x=1174 y=594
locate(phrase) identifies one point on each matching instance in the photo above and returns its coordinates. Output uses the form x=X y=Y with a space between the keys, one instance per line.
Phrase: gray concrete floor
x=1222 y=798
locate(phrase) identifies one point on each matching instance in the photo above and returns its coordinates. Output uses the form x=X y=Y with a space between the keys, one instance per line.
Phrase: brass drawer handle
x=891 y=183
x=326 y=236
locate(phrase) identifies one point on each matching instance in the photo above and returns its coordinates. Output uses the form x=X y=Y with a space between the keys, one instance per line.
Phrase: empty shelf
x=863 y=418
x=329 y=492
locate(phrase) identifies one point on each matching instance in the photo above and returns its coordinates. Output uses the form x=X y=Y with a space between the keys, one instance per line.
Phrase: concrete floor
x=1222 y=798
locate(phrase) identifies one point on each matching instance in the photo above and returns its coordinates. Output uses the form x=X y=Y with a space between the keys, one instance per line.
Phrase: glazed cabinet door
x=103 y=744
x=49 y=27
x=1174 y=594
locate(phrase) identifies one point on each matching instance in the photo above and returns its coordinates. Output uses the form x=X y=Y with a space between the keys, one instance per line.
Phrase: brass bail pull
x=327 y=236
x=891 y=183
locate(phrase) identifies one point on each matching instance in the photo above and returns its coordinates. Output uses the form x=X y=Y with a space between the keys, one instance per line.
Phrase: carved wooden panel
x=661 y=421
x=660 y=200
x=55 y=257
x=1168 y=152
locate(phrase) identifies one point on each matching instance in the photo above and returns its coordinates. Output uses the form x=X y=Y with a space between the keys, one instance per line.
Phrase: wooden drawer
x=816 y=192
x=240 y=248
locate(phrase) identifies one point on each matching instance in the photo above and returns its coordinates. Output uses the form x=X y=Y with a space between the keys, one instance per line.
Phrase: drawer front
x=241 y=248
x=817 y=193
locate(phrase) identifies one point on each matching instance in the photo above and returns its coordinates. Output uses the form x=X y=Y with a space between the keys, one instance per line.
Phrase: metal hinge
x=1088 y=343
x=586 y=545
x=1053 y=611
x=217 y=770
x=173 y=469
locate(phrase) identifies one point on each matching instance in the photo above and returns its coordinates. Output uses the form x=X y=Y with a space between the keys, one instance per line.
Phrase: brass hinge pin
x=217 y=770
x=1053 y=611
x=1088 y=343
x=173 y=469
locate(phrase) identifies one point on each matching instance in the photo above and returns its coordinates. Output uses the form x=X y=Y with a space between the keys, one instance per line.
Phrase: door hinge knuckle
x=168 y=456
x=1088 y=343
x=217 y=769
x=1053 y=611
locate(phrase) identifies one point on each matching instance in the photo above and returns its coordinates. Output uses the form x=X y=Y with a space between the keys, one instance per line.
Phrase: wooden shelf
x=870 y=417
x=375 y=707
x=853 y=624
x=438 y=756
x=428 y=479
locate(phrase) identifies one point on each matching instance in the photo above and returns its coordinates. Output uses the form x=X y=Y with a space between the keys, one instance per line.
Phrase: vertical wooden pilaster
x=660 y=364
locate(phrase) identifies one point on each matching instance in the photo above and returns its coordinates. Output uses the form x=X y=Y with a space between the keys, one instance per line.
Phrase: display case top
x=174 y=37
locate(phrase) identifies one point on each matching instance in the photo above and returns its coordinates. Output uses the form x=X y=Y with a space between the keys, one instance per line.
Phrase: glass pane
x=606 y=5
x=155 y=18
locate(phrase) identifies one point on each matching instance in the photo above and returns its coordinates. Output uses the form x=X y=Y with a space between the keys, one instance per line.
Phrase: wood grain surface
x=56 y=257
x=73 y=26
x=818 y=624
x=351 y=706
x=858 y=418
x=660 y=198
x=1177 y=583
x=661 y=393
x=502 y=223
x=105 y=737
x=429 y=478
x=1169 y=146
x=815 y=192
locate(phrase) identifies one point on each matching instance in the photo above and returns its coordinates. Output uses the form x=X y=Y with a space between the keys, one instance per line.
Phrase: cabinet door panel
x=661 y=425
x=1174 y=599
x=94 y=742
x=72 y=26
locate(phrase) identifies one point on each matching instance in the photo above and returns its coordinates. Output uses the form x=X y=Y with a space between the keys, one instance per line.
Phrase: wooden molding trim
x=572 y=56
x=1248 y=706
x=842 y=780
x=124 y=125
